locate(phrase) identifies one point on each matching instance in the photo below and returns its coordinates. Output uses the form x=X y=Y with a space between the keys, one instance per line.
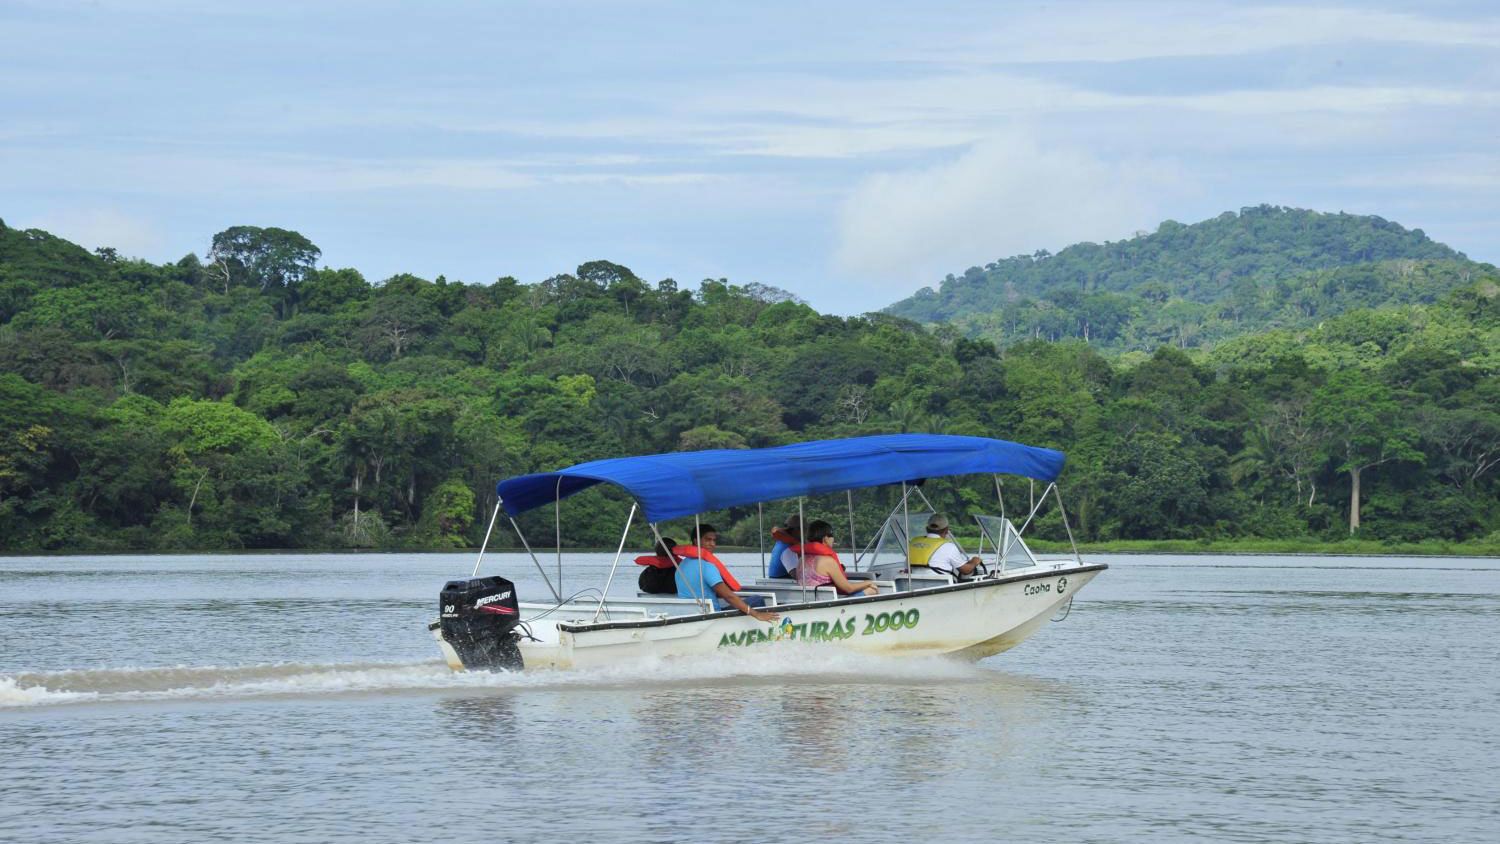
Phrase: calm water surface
x=298 y=698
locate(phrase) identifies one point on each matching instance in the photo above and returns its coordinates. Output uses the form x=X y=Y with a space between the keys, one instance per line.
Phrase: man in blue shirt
x=785 y=564
x=699 y=578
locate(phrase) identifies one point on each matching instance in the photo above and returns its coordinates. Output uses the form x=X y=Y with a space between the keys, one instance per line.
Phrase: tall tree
x=1364 y=427
x=272 y=259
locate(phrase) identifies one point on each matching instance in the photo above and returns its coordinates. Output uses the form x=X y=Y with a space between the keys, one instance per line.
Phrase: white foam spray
x=749 y=667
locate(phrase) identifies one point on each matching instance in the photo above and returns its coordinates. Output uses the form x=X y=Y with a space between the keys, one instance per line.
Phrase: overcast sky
x=849 y=152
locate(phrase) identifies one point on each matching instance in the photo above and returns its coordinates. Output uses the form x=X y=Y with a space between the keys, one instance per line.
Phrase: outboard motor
x=478 y=619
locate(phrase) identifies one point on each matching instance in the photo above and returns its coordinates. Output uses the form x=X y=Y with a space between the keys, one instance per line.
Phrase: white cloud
x=637 y=180
x=1005 y=196
x=1113 y=32
x=1332 y=100
x=261 y=174
x=453 y=174
x=806 y=116
x=847 y=141
x=815 y=116
x=1439 y=173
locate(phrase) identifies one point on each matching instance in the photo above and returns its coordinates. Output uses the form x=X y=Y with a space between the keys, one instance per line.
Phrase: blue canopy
x=669 y=486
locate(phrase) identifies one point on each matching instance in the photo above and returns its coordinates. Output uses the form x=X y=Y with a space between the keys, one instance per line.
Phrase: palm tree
x=908 y=415
x=1260 y=456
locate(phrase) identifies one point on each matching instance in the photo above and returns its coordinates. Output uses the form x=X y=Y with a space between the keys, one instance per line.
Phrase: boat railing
x=789 y=591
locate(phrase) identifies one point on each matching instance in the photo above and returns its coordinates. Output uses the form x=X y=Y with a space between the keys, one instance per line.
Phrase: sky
x=850 y=152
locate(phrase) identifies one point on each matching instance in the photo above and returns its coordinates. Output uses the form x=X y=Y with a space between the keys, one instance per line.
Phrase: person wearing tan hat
x=939 y=552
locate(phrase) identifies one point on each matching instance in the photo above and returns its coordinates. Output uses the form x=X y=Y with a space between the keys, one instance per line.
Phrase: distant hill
x=1265 y=267
x=32 y=260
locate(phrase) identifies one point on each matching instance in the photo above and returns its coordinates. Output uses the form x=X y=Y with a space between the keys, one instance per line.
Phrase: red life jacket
x=818 y=549
x=686 y=551
x=655 y=561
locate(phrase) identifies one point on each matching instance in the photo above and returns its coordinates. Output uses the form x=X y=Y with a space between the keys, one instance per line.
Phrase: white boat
x=482 y=623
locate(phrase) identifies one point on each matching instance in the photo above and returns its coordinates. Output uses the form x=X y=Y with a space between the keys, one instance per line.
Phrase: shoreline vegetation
x=1272 y=380
x=1479 y=549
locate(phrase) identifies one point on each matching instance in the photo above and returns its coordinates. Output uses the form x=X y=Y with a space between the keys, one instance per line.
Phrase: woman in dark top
x=659 y=575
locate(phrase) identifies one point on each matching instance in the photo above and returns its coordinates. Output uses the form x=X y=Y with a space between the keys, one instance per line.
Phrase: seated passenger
x=704 y=550
x=659 y=575
x=820 y=564
x=701 y=575
x=783 y=559
x=939 y=552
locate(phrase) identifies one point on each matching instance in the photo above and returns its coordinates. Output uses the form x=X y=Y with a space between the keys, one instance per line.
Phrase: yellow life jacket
x=922 y=548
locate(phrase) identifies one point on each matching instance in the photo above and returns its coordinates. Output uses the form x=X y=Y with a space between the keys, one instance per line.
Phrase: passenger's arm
x=830 y=567
x=723 y=591
x=968 y=568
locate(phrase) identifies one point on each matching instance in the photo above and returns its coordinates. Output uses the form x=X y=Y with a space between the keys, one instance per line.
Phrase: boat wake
x=816 y=666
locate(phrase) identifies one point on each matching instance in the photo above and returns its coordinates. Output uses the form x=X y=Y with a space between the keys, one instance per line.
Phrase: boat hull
x=971 y=620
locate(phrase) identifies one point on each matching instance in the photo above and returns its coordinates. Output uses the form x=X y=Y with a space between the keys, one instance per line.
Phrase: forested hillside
x=1195 y=285
x=252 y=399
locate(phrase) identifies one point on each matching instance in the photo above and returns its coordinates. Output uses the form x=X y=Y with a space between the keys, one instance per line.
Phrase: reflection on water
x=299 y=698
x=845 y=759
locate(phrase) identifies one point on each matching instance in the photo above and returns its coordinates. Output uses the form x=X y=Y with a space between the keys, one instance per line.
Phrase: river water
x=299 y=699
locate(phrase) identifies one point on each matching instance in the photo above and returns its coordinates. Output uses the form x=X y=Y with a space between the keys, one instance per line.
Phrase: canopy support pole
x=1034 y=507
x=618 y=551
x=760 y=532
x=999 y=494
x=853 y=549
x=557 y=525
x=874 y=545
x=1057 y=493
x=671 y=554
x=532 y=554
x=709 y=604
x=922 y=495
x=906 y=536
x=802 y=557
x=486 y=543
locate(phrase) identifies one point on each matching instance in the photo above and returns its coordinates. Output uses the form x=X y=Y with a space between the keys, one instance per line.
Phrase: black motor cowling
x=478 y=619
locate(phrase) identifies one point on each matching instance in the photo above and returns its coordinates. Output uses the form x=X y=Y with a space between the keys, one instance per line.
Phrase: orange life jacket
x=685 y=551
x=818 y=549
x=655 y=561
